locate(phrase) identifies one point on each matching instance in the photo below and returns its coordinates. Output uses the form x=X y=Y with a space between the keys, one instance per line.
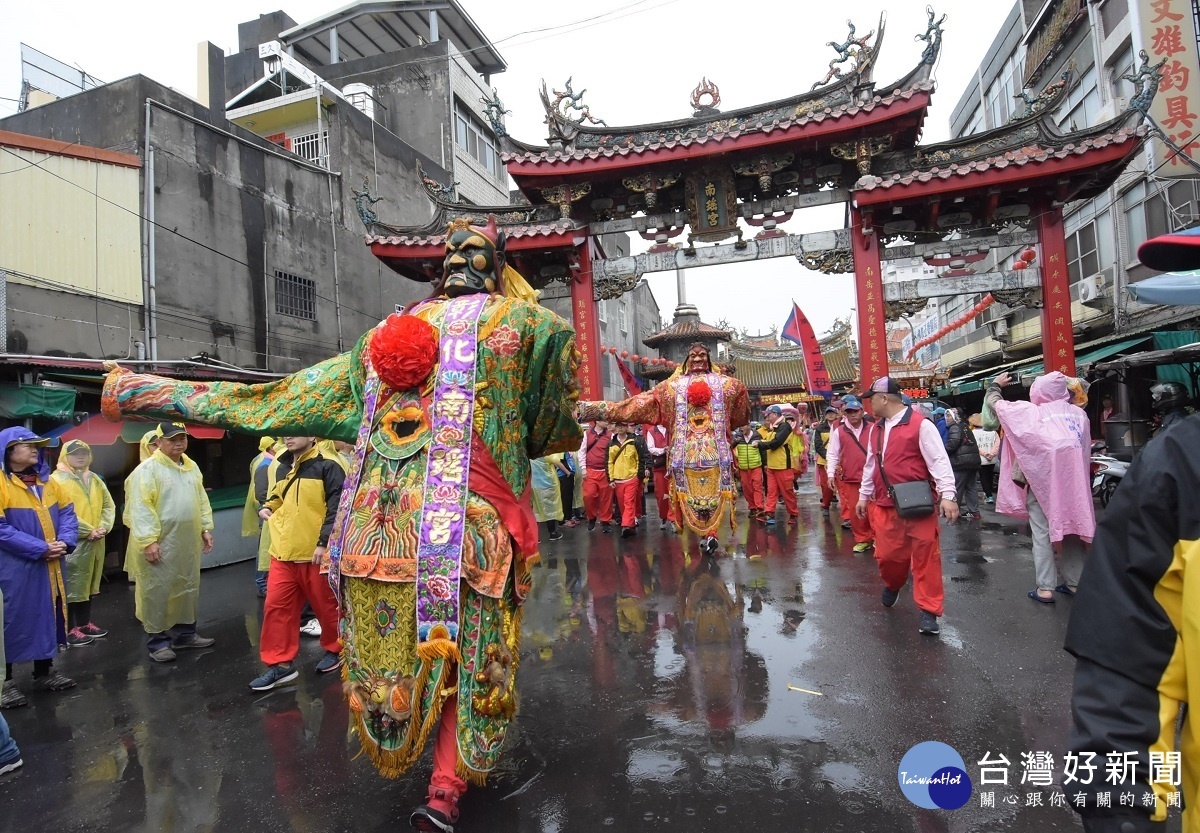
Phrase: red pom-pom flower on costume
x=698 y=393
x=404 y=351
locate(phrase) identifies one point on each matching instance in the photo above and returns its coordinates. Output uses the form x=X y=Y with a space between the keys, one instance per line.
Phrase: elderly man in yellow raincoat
x=96 y=512
x=170 y=527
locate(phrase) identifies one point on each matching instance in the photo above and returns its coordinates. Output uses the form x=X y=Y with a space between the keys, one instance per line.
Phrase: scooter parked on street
x=1107 y=473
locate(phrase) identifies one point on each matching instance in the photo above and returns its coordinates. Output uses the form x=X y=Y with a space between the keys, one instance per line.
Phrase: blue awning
x=1172 y=289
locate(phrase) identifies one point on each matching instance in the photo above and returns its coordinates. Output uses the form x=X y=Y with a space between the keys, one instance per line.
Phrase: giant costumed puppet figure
x=430 y=553
x=700 y=407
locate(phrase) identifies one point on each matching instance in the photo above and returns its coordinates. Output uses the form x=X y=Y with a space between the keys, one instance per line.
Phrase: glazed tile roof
x=767 y=374
x=686 y=329
x=1025 y=155
x=840 y=365
x=434 y=237
x=643 y=140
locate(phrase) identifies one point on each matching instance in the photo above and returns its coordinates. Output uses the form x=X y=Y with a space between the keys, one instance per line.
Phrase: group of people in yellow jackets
x=775 y=453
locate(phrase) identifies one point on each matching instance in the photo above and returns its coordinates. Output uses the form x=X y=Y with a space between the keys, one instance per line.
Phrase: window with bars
x=312 y=147
x=295 y=296
x=1151 y=210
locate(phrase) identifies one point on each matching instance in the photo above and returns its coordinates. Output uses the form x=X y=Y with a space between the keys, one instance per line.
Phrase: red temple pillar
x=1058 y=338
x=868 y=290
x=587 y=331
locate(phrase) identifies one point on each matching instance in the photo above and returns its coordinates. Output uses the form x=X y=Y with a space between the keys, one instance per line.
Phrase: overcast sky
x=639 y=62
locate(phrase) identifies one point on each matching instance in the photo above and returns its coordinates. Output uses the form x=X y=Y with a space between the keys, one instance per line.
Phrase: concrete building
x=1095 y=44
x=420 y=71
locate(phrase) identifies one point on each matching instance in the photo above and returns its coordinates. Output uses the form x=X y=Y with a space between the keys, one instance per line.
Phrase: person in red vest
x=845 y=458
x=910 y=450
x=597 y=491
x=626 y=468
x=656 y=444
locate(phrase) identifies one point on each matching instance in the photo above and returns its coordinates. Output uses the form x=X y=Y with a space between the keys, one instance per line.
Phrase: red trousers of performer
x=826 y=488
x=629 y=499
x=848 y=500
x=909 y=545
x=752 y=486
x=662 y=494
x=289 y=585
x=445 y=760
x=598 y=496
x=781 y=483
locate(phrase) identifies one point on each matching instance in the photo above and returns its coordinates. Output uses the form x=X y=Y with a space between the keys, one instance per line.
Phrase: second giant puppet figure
x=430 y=554
x=700 y=407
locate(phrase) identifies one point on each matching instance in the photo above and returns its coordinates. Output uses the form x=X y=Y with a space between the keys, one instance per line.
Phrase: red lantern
x=1029 y=255
x=1020 y=264
x=624 y=354
x=636 y=358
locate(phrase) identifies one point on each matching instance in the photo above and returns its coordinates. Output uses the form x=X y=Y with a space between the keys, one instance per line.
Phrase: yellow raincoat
x=94 y=508
x=251 y=523
x=145 y=451
x=167 y=505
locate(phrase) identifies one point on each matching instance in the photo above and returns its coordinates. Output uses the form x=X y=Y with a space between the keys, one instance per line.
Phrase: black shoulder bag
x=913 y=499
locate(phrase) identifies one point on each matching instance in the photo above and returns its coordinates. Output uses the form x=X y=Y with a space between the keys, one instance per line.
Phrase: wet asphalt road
x=655 y=696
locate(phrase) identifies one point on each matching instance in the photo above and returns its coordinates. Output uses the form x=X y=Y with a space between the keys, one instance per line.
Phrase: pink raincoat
x=1051 y=438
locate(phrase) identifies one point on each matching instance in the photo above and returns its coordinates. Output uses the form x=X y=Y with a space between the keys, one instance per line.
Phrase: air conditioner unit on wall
x=1093 y=290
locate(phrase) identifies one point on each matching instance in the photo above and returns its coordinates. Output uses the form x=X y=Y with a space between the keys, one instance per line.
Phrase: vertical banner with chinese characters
x=1058 y=337
x=797 y=329
x=868 y=282
x=1168 y=33
x=583 y=316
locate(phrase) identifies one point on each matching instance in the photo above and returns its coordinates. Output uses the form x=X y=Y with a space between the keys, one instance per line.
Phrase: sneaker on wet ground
x=865 y=546
x=53 y=681
x=311 y=628
x=275 y=675
x=591 y=525
x=890 y=596
x=76 y=638
x=11 y=765
x=626 y=531
x=557 y=536
x=329 y=662
x=12 y=698
x=192 y=640
x=929 y=624
x=163 y=655
x=93 y=630
x=847 y=525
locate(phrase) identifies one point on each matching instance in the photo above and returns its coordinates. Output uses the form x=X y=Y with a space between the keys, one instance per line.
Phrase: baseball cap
x=775 y=409
x=884 y=384
x=170 y=429
x=851 y=403
x=939 y=411
x=829 y=409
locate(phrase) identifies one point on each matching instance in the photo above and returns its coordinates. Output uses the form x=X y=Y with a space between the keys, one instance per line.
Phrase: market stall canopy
x=96 y=430
x=27 y=401
x=1174 y=289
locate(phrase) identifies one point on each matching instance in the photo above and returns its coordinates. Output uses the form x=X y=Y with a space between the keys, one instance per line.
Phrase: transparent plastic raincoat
x=94 y=509
x=145 y=450
x=547 y=496
x=269 y=450
x=166 y=504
